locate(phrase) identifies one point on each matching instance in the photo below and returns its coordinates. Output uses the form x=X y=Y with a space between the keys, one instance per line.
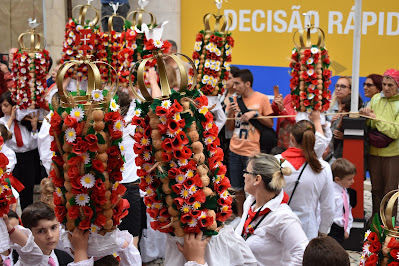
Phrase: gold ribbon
x=35 y=41
x=94 y=82
x=220 y=23
x=137 y=18
x=82 y=14
x=165 y=88
x=307 y=42
x=386 y=213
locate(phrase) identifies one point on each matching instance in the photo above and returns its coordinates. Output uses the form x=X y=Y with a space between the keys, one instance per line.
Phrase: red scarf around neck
x=294 y=156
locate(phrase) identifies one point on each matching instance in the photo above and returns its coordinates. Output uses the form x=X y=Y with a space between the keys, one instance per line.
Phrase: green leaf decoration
x=100 y=138
x=91 y=131
x=210 y=203
x=82 y=93
x=210 y=232
x=71 y=155
x=105 y=93
x=99 y=175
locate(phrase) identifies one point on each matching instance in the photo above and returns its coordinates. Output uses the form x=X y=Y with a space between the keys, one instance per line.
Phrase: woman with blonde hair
x=343 y=88
x=272 y=231
x=310 y=184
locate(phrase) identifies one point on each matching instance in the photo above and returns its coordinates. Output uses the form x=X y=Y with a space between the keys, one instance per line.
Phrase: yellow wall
x=264 y=30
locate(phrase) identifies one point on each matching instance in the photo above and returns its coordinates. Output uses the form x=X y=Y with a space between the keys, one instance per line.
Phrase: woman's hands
x=34 y=119
x=79 y=240
x=368 y=112
x=194 y=247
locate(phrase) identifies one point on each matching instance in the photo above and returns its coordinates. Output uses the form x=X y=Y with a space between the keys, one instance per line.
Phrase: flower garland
x=180 y=165
x=71 y=49
x=29 y=72
x=379 y=248
x=87 y=165
x=310 y=79
x=6 y=196
x=212 y=57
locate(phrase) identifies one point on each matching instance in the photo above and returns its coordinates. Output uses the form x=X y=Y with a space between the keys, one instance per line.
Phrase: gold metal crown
x=137 y=18
x=386 y=209
x=83 y=12
x=36 y=41
x=163 y=79
x=111 y=21
x=221 y=22
x=94 y=82
x=305 y=37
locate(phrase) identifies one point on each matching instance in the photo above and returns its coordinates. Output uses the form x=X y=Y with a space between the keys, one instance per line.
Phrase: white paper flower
x=366 y=235
x=166 y=104
x=145 y=141
x=158 y=43
x=146 y=156
x=310 y=96
x=70 y=134
x=192 y=223
x=185 y=193
x=309 y=61
x=78 y=113
x=122 y=148
x=185 y=208
x=137 y=112
x=97 y=95
x=314 y=50
x=113 y=105
x=163 y=119
x=189 y=173
x=87 y=180
x=182 y=162
x=115 y=185
x=82 y=199
x=86 y=158
x=294 y=51
x=310 y=72
x=94 y=228
x=58 y=191
x=180 y=178
x=118 y=126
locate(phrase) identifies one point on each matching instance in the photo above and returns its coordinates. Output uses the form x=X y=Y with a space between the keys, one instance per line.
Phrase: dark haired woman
x=372 y=86
x=271 y=229
x=310 y=184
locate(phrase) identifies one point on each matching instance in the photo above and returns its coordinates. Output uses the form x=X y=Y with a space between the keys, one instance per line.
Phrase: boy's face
x=346 y=181
x=47 y=234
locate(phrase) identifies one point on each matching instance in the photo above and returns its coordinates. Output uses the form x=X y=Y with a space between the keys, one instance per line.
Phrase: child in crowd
x=24 y=144
x=343 y=173
x=324 y=251
x=36 y=241
x=10 y=256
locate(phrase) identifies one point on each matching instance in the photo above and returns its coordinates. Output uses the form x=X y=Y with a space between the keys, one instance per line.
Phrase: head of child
x=346 y=104
x=41 y=220
x=343 y=172
x=325 y=251
x=13 y=218
x=5 y=133
x=6 y=103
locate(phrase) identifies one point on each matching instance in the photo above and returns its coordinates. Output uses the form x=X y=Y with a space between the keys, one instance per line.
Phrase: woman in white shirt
x=270 y=228
x=310 y=183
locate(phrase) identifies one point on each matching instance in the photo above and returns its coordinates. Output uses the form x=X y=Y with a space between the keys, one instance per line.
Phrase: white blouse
x=224 y=249
x=44 y=144
x=279 y=238
x=29 y=139
x=312 y=189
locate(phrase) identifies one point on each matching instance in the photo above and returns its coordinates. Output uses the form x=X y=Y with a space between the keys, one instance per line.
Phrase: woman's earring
x=254 y=184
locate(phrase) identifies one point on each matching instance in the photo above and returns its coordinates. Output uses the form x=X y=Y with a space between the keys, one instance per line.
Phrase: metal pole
x=44 y=20
x=357 y=33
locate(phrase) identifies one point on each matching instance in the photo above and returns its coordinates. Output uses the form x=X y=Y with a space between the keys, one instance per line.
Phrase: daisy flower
x=366 y=235
x=82 y=199
x=309 y=61
x=122 y=148
x=366 y=249
x=310 y=96
x=58 y=192
x=189 y=173
x=310 y=72
x=192 y=223
x=173 y=164
x=180 y=178
x=185 y=193
x=113 y=105
x=166 y=104
x=146 y=167
x=158 y=43
x=97 y=95
x=145 y=141
x=294 y=51
x=86 y=158
x=148 y=179
x=118 y=125
x=87 y=180
x=182 y=162
x=314 y=50
x=147 y=156
x=196 y=205
x=149 y=191
x=225 y=208
x=225 y=194
x=157 y=205
x=77 y=113
x=94 y=228
x=177 y=117
x=185 y=208
x=163 y=119
x=137 y=112
x=193 y=189
x=115 y=185
x=203 y=110
x=70 y=134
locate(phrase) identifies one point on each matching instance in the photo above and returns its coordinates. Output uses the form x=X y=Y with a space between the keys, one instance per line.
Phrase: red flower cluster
x=6 y=196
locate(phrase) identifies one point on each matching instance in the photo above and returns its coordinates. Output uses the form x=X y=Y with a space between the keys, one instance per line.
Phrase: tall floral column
x=310 y=77
x=180 y=163
x=87 y=162
x=29 y=70
x=212 y=57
